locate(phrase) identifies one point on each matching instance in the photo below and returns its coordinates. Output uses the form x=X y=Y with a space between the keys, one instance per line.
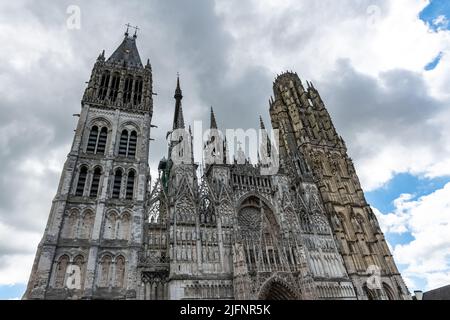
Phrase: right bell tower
x=306 y=131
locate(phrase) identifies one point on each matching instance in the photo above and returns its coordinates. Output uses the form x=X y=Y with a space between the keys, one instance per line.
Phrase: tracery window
x=127 y=144
x=104 y=82
x=97 y=140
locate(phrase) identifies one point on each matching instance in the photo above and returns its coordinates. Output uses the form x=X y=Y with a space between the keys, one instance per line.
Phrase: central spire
x=213 y=120
x=178 y=119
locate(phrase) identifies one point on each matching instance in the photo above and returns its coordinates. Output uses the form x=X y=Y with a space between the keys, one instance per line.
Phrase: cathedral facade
x=221 y=231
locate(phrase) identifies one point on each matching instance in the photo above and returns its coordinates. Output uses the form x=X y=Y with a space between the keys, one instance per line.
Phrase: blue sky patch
x=11 y=292
x=433 y=64
x=383 y=198
x=436 y=15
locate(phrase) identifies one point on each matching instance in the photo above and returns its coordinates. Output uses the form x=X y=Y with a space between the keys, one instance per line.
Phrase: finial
x=261 y=123
x=178 y=92
x=135 y=31
x=101 y=56
x=128 y=29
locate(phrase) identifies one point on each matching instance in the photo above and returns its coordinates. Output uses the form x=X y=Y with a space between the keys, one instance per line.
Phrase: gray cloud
x=38 y=100
x=397 y=106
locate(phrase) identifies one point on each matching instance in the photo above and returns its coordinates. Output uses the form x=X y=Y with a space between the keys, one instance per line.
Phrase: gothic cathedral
x=229 y=232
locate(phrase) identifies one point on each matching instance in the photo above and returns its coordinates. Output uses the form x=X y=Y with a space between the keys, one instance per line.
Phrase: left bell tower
x=94 y=231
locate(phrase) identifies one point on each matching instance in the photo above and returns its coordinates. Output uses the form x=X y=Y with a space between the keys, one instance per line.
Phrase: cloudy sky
x=382 y=67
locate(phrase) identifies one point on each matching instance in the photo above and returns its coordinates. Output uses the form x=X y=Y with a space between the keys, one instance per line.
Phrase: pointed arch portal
x=277 y=290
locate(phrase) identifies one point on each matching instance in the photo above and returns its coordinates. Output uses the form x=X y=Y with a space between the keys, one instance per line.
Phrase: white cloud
x=441 y=22
x=225 y=61
x=16 y=268
x=374 y=37
x=427 y=219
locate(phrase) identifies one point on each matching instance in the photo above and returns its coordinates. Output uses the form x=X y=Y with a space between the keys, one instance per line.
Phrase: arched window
x=130 y=185
x=137 y=98
x=97 y=140
x=105 y=271
x=127 y=144
x=120 y=271
x=104 y=82
x=101 y=145
x=128 y=89
x=132 y=145
x=81 y=181
x=92 y=142
x=117 y=184
x=114 y=90
x=123 y=144
x=95 y=182
x=61 y=269
x=87 y=224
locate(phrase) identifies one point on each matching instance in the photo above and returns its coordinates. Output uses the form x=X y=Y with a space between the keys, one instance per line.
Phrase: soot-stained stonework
x=222 y=231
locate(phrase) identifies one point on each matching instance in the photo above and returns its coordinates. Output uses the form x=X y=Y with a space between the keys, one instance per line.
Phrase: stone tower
x=309 y=142
x=94 y=231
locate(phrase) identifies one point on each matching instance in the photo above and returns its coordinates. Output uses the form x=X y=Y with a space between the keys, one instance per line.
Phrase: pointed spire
x=178 y=119
x=261 y=123
x=213 y=120
x=178 y=93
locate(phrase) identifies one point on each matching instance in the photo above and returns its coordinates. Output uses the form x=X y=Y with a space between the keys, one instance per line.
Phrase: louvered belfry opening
x=92 y=142
x=97 y=141
x=101 y=145
x=95 y=182
x=132 y=145
x=128 y=144
x=81 y=181
x=130 y=185
x=117 y=184
x=123 y=144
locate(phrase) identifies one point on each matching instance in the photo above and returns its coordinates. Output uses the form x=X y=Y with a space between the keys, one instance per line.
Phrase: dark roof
x=438 y=294
x=127 y=53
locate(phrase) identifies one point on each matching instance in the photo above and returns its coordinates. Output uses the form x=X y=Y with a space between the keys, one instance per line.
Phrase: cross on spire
x=136 y=28
x=128 y=28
